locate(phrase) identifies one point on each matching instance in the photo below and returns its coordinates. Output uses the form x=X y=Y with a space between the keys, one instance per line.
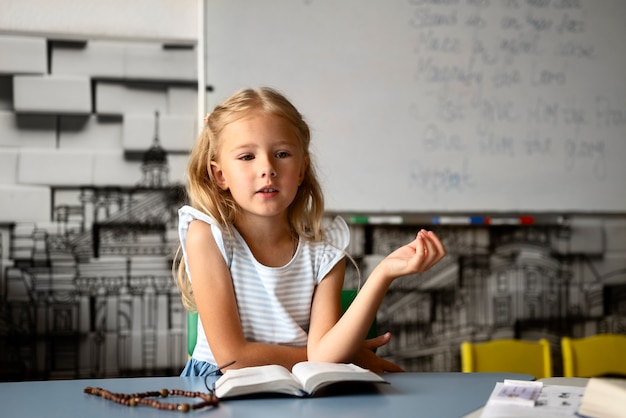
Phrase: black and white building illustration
x=95 y=133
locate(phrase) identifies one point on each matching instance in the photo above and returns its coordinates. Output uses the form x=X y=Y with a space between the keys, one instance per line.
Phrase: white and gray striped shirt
x=274 y=302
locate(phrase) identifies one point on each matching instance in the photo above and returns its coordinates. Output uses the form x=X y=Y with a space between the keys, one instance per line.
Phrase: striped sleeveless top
x=274 y=302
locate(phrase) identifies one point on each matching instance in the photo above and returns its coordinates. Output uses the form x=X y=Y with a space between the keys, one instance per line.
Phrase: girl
x=263 y=271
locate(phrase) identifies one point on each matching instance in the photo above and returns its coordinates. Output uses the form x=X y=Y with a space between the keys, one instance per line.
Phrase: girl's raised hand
x=421 y=254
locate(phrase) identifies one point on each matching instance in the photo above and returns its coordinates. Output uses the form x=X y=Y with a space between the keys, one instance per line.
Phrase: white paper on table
x=554 y=401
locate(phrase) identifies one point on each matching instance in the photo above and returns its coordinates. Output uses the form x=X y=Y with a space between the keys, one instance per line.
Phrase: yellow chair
x=508 y=355
x=598 y=355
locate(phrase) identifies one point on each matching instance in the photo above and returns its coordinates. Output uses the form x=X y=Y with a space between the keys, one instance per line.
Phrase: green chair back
x=347 y=296
x=192 y=331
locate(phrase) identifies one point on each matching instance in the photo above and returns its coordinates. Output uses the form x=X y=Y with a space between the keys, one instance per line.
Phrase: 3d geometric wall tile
x=110 y=168
x=24 y=203
x=182 y=100
x=52 y=94
x=90 y=132
x=27 y=130
x=152 y=61
x=6 y=92
x=8 y=165
x=23 y=55
x=138 y=130
x=177 y=133
x=92 y=58
x=55 y=167
x=114 y=98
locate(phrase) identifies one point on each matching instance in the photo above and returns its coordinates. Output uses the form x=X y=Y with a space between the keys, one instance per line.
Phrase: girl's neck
x=272 y=242
x=263 y=228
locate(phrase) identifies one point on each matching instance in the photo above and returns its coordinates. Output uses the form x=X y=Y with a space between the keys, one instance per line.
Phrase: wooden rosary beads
x=134 y=399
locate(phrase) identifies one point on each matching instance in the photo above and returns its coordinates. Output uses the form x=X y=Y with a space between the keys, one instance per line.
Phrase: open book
x=604 y=397
x=304 y=380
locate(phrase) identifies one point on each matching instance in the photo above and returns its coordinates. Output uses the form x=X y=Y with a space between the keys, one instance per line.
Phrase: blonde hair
x=305 y=213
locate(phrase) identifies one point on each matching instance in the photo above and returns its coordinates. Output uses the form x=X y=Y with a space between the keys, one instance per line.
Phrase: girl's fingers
x=420 y=246
x=432 y=249
x=429 y=248
x=428 y=251
x=378 y=341
x=433 y=243
x=435 y=239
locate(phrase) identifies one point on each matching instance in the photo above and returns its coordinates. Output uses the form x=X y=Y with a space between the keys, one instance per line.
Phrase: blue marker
x=460 y=220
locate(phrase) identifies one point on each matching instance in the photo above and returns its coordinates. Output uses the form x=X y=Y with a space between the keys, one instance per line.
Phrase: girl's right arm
x=217 y=306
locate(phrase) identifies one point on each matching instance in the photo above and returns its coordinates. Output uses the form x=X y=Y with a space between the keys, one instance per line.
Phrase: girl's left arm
x=328 y=340
x=326 y=311
x=342 y=340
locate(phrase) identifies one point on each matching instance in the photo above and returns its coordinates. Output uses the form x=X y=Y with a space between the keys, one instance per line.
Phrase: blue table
x=412 y=395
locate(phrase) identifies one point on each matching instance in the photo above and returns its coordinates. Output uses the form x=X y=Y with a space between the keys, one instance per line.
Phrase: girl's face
x=261 y=162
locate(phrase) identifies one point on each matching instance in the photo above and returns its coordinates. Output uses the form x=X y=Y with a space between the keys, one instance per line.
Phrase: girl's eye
x=246 y=157
x=282 y=154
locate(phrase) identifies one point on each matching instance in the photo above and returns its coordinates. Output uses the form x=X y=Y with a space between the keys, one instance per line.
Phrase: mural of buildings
x=95 y=301
x=529 y=282
x=98 y=298
x=94 y=137
x=91 y=293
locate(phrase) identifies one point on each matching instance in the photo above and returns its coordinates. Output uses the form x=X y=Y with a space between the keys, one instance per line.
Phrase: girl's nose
x=268 y=170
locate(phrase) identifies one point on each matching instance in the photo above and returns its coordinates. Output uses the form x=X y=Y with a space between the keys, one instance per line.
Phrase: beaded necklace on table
x=150 y=398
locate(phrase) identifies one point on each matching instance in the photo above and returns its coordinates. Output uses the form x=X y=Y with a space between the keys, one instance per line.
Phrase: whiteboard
x=442 y=105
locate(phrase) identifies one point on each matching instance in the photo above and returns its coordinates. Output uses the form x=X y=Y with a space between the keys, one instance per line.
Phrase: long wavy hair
x=306 y=212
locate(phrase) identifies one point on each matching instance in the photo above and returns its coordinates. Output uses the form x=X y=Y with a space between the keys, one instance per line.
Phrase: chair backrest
x=192 y=331
x=597 y=355
x=347 y=296
x=508 y=355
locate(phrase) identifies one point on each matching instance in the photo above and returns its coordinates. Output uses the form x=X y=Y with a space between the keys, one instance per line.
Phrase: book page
x=258 y=379
x=604 y=397
x=554 y=401
x=314 y=375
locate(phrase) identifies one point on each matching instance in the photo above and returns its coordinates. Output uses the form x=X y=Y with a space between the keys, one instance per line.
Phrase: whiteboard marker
x=520 y=220
x=391 y=220
x=377 y=220
x=460 y=220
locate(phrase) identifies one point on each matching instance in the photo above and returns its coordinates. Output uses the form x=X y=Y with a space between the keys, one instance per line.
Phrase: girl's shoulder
x=188 y=214
x=337 y=233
